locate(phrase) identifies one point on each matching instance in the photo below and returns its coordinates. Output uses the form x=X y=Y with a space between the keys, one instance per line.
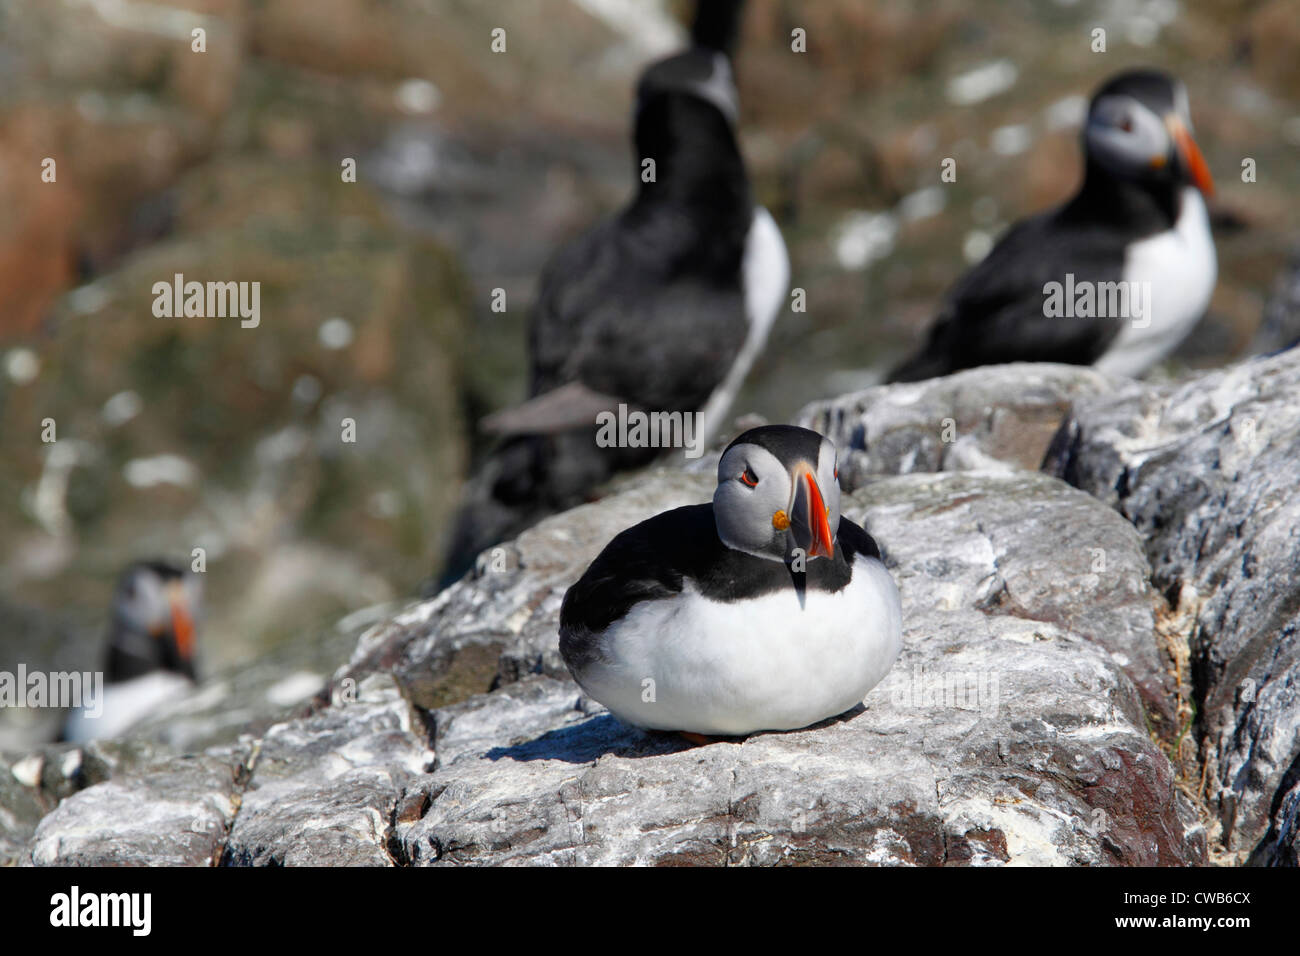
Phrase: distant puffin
x=1138 y=217
x=664 y=307
x=698 y=619
x=150 y=650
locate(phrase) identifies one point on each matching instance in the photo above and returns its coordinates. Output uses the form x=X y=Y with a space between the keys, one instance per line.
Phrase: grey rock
x=1020 y=545
x=326 y=789
x=21 y=805
x=172 y=813
x=1281 y=845
x=1206 y=472
x=999 y=417
x=33 y=783
x=318 y=790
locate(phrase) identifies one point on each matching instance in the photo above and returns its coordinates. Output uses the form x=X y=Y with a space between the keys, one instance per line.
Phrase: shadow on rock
x=592 y=739
x=589 y=740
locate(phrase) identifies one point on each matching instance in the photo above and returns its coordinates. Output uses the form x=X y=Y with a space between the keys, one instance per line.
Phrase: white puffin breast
x=760 y=664
x=1181 y=268
x=125 y=705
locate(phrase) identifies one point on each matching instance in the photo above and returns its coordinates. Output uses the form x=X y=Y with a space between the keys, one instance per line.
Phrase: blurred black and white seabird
x=1138 y=219
x=662 y=308
x=150 y=650
x=765 y=610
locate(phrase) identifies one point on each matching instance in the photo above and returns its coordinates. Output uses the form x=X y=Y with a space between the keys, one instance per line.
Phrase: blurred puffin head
x=1139 y=128
x=155 y=606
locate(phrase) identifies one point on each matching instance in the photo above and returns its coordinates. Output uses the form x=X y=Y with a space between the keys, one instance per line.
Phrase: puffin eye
x=748 y=477
x=1126 y=124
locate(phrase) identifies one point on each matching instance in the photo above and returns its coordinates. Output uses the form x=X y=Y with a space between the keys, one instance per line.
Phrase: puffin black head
x=152 y=628
x=686 y=111
x=699 y=73
x=778 y=490
x=1139 y=128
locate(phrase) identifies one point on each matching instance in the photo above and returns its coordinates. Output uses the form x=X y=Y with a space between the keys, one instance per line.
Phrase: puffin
x=1139 y=218
x=662 y=308
x=151 y=650
x=764 y=610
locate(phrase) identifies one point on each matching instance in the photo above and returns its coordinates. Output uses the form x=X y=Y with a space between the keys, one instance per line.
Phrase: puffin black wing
x=618 y=319
x=614 y=314
x=995 y=312
x=647 y=562
x=854 y=540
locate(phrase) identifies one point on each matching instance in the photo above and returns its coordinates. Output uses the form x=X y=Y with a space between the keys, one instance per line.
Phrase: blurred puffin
x=664 y=307
x=150 y=649
x=709 y=602
x=1139 y=217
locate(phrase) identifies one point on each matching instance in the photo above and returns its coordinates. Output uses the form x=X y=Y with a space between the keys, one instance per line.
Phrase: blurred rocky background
x=176 y=434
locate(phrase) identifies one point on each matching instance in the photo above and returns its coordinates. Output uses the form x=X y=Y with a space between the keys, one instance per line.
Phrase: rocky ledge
x=1206 y=472
x=1100 y=667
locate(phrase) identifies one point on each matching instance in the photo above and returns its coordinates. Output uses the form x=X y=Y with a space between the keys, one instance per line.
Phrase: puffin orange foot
x=697 y=739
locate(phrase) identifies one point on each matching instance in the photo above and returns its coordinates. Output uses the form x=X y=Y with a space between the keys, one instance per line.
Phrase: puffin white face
x=775 y=495
x=1127 y=137
x=1138 y=140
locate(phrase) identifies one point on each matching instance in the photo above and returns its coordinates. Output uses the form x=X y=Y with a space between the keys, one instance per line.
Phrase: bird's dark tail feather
x=523 y=481
x=921 y=366
x=717 y=24
x=481 y=523
x=499 y=502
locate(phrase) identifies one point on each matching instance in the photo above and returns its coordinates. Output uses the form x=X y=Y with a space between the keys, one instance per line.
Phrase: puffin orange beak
x=1190 y=155
x=811 y=523
x=182 y=623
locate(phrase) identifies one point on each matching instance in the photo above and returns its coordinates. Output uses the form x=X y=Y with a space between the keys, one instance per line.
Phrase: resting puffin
x=664 y=307
x=150 y=649
x=1138 y=217
x=701 y=620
